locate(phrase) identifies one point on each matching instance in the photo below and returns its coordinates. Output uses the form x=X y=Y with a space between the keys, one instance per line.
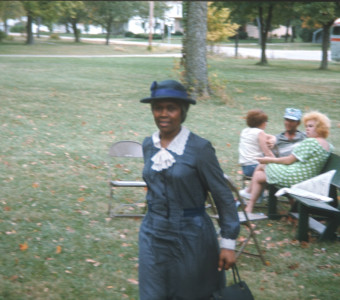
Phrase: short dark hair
x=256 y=117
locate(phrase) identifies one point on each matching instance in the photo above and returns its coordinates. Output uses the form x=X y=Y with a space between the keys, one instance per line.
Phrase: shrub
x=18 y=27
x=306 y=34
x=54 y=36
x=178 y=33
x=129 y=34
x=157 y=36
x=242 y=35
x=141 y=36
x=2 y=36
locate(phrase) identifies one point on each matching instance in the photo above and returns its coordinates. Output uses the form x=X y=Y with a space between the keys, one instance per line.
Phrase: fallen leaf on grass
x=262 y=98
x=11 y=232
x=293 y=266
x=58 y=250
x=286 y=254
x=35 y=184
x=23 y=247
x=325 y=267
x=304 y=245
x=81 y=199
x=133 y=281
x=95 y=263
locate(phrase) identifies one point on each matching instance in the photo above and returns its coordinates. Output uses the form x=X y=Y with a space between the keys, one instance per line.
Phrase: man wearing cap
x=287 y=140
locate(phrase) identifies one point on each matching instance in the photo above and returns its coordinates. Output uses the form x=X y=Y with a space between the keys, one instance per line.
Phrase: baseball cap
x=293 y=114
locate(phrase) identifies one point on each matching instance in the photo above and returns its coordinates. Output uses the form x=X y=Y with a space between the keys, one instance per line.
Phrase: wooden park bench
x=307 y=207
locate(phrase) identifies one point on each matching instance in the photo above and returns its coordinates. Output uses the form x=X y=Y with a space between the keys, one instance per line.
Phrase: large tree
x=159 y=10
x=265 y=14
x=219 y=26
x=38 y=9
x=110 y=13
x=194 y=48
x=323 y=15
x=74 y=12
x=10 y=10
x=32 y=11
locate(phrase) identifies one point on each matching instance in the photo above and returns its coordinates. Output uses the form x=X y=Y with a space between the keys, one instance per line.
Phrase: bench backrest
x=333 y=163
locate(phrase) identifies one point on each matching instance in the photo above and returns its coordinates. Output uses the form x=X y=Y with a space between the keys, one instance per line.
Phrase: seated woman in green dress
x=306 y=160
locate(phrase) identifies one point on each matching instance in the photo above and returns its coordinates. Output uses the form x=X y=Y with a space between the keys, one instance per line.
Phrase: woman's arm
x=263 y=141
x=284 y=160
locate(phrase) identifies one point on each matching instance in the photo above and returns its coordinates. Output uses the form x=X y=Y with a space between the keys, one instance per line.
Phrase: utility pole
x=150 y=24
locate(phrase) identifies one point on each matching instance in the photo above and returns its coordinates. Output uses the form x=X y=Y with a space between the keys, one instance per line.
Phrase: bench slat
x=314 y=203
x=312 y=223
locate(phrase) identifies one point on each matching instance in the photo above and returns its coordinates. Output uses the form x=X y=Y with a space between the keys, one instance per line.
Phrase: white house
x=172 y=19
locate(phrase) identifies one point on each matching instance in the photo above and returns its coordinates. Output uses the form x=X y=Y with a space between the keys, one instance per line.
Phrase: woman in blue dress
x=179 y=254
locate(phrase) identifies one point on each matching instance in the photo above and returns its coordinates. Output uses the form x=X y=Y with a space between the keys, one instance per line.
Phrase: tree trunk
x=196 y=74
x=38 y=27
x=6 y=26
x=287 y=31
x=151 y=8
x=107 y=37
x=264 y=32
x=185 y=25
x=29 y=31
x=325 y=45
x=75 y=31
x=236 y=42
x=108 y=31
x=293 y=34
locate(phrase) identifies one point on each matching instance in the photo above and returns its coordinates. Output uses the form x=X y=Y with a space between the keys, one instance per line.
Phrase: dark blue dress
x=178 y=246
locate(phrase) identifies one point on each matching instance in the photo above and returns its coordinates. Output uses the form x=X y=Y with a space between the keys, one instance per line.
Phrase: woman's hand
x=263 y=160
x=271 y=141
x=285 y=160
x=227 y=259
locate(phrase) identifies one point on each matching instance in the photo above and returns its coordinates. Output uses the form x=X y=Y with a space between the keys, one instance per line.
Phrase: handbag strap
x=236 y=274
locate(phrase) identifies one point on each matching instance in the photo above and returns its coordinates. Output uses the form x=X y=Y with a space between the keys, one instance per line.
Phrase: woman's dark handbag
x=238 y=291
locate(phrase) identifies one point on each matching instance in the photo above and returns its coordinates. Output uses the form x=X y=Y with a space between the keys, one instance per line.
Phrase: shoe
x=237 y=204
x=243 y=193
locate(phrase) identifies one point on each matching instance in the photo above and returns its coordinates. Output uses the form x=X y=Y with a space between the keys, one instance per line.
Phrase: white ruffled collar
x=163 y=159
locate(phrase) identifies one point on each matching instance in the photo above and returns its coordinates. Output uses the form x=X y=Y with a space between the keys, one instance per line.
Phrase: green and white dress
x=311 y=157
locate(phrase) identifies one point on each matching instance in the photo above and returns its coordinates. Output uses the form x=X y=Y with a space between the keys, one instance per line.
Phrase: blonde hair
x=322 y=125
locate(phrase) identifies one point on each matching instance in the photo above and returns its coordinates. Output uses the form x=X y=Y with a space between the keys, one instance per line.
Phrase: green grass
x=58 y=118
x=45 y=45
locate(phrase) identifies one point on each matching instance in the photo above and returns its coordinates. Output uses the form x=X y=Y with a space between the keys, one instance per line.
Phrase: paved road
x=312 y=55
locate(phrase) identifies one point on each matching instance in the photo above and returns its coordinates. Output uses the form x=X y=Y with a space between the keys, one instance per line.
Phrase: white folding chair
x=124 y=150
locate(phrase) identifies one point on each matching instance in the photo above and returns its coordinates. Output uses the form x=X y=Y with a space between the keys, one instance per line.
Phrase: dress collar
x=177 y=145
x=163 y=159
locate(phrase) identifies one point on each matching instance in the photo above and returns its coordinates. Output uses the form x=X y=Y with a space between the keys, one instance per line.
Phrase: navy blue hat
x=168 y=89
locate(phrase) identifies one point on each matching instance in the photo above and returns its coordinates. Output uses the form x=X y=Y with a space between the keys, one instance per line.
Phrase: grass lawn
x=58 y=118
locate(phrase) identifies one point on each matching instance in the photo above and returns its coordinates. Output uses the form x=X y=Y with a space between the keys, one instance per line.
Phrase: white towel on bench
x=316 y=188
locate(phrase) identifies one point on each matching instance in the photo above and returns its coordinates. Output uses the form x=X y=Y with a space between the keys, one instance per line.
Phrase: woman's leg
x=256 y=186
x=258 y=167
